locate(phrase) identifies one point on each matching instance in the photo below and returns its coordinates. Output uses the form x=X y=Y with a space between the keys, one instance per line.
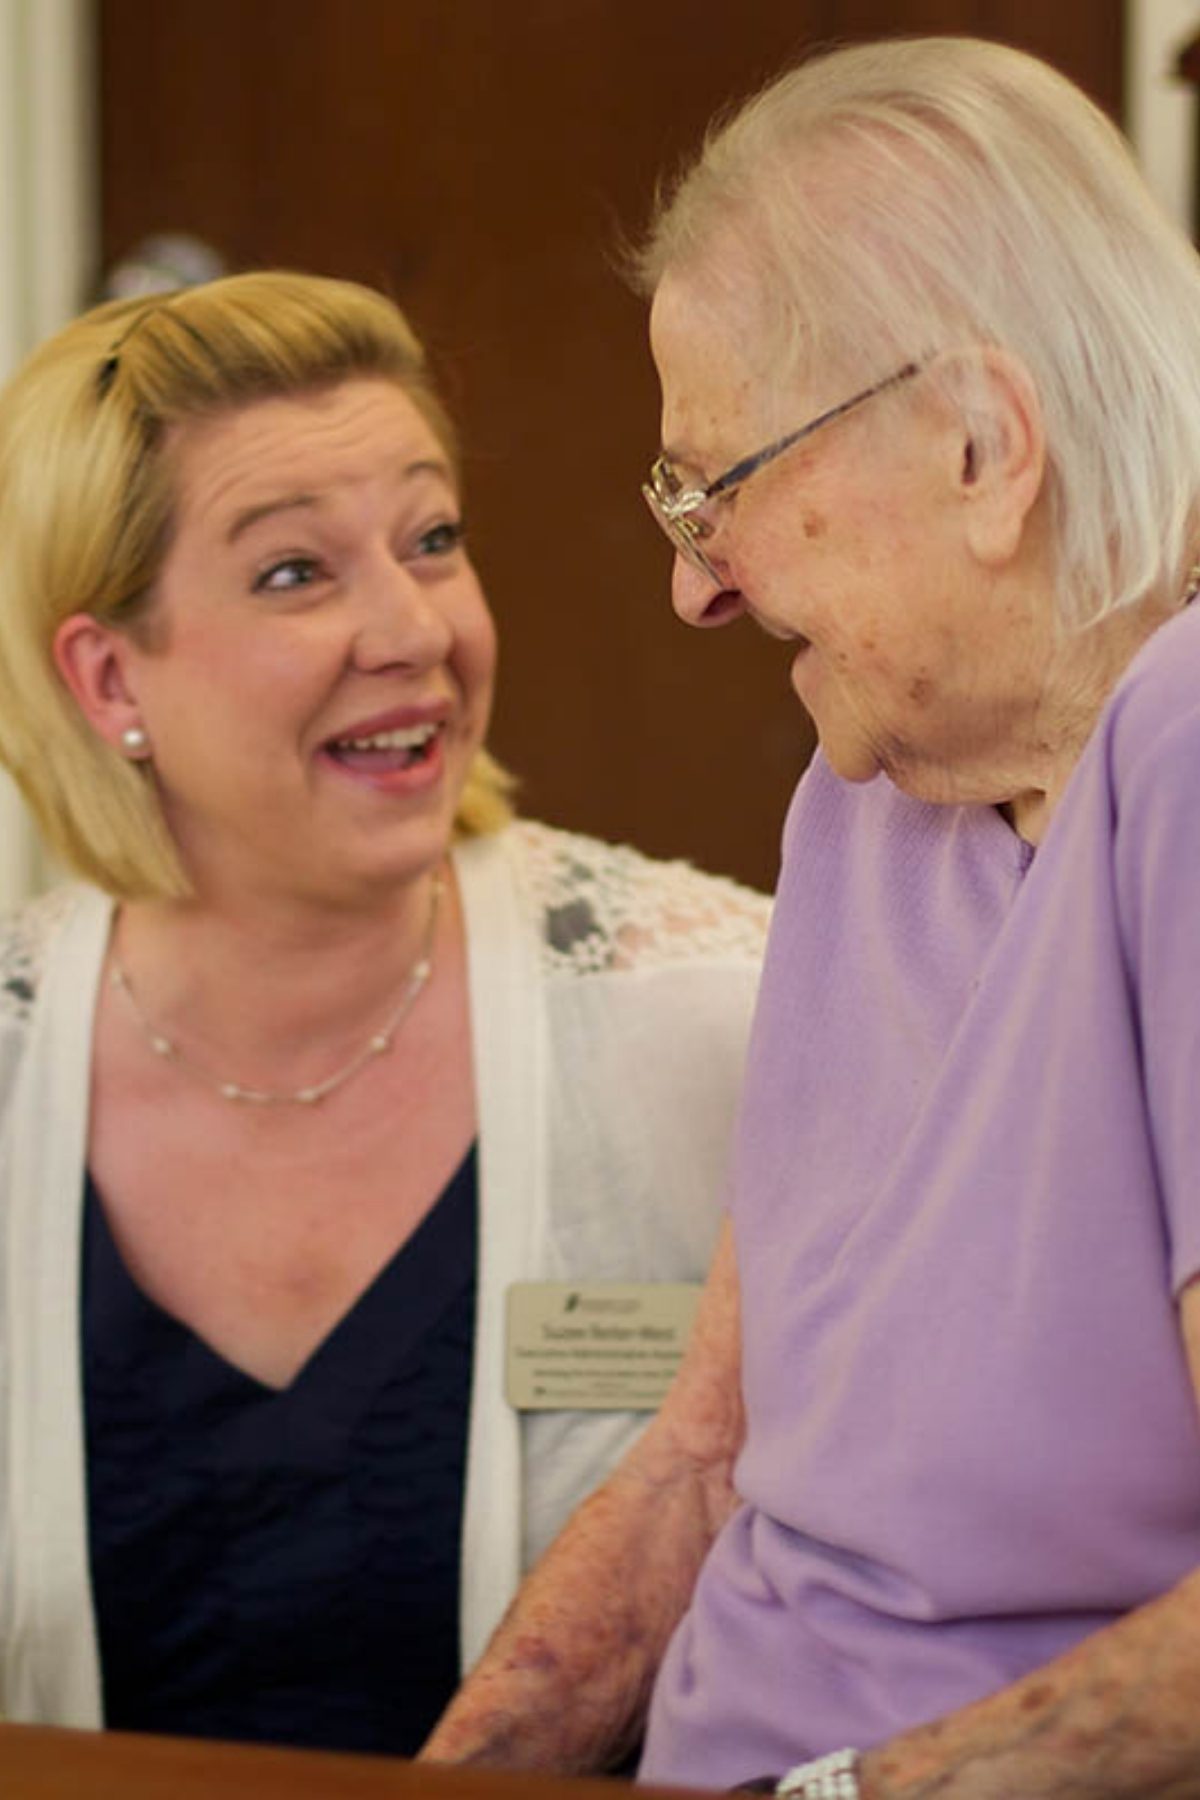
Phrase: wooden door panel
x=481 y=159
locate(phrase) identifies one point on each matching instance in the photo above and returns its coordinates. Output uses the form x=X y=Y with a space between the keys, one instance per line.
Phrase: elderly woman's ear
x=999 y=452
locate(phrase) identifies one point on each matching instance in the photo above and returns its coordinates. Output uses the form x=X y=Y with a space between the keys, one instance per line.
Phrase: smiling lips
x=386 y=752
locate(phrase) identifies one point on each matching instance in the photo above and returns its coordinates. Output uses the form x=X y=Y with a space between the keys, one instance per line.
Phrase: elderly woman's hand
x=565 y=1682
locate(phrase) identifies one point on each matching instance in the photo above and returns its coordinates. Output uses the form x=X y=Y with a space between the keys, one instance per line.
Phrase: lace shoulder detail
x=23 y=939
x=608 y=907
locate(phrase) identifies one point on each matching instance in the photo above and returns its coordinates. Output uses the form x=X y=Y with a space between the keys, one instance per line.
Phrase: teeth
x=409 y=738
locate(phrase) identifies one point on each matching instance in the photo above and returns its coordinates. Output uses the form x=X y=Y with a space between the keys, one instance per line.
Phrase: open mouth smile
x=396 y=751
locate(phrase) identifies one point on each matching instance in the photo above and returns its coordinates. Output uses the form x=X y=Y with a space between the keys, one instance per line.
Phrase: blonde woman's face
x=319 y=673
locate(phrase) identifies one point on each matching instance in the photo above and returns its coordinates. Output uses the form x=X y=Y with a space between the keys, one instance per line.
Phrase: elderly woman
x=930 y=361
x=322 y=1054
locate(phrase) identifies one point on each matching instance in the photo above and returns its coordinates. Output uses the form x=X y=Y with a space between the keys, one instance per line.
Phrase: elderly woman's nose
x=698 y=599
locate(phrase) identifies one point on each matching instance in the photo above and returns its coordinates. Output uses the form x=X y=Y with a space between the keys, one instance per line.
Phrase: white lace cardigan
x=610 y=1004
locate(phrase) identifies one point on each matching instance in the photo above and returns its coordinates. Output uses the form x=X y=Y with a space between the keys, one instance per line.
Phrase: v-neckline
x=370 y=1327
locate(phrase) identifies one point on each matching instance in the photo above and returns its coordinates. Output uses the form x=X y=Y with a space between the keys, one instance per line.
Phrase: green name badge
x=595 y=1345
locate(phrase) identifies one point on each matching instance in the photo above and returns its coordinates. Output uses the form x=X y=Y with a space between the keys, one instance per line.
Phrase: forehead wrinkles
x=716 y=391
x=273 y=449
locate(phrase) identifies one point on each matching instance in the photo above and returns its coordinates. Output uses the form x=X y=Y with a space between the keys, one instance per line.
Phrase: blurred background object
x=159 y=263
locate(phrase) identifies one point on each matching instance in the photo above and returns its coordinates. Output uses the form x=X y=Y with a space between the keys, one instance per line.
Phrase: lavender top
x=967 y=1192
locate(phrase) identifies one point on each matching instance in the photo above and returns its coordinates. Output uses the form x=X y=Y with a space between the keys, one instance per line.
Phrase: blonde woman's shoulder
x=608 y=907
x=25 y=937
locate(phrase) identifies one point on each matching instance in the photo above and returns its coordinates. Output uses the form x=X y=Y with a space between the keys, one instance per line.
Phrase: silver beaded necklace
x=376 y=1044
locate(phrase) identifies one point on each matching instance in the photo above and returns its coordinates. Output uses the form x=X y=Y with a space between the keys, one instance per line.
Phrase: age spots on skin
x=532 y=1652
x=813 y=525
x=1037 y=1698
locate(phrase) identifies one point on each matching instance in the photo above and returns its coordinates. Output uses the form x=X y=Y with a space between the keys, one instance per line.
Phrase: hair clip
x=106 y=373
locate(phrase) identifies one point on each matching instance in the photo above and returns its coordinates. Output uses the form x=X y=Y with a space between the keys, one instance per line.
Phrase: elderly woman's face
x=852 y=548
x=320 y=672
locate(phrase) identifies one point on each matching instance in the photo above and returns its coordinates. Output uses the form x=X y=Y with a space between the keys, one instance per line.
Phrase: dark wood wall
x=481 y=160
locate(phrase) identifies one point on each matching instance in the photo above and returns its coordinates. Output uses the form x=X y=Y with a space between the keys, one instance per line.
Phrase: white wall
x=47 y=239
x=1160 y=110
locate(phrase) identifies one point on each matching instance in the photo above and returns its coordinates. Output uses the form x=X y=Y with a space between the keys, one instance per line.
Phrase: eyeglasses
x=681 y=511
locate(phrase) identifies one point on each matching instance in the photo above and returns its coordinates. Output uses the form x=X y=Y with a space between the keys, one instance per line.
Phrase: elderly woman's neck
x=1080 y=676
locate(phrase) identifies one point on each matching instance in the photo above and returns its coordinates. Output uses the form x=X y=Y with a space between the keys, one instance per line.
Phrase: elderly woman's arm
x=565 y=1681
x=1117 y=1718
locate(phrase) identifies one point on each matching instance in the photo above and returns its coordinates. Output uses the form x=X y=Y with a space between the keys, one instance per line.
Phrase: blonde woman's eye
x=442 y=539
x=289 y=573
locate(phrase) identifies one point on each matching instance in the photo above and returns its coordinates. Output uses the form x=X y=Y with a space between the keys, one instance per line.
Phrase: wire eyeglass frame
x=678 y=510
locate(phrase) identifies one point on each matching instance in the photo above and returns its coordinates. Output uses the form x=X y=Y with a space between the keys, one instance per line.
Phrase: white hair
x=888 y=201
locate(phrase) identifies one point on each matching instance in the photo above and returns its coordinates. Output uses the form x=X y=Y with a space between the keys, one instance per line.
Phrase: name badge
x=597 y=1345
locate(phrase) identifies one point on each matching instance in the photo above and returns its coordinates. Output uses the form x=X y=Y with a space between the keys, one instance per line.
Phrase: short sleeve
x=1155 y=766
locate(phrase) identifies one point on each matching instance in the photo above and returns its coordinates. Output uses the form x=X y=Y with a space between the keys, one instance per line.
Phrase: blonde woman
x=321 y=1051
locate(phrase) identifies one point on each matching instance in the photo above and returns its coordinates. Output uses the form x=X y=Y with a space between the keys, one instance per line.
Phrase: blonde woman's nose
x=401 y=619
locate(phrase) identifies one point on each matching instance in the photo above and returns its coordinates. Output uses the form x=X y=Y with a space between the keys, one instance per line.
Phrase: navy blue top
x=274 y=1565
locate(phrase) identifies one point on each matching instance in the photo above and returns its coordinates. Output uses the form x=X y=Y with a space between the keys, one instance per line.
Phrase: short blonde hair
x=86 y=507
x=888 y=201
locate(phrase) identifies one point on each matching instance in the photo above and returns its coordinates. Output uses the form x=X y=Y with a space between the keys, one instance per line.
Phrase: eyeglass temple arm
x=741 y=471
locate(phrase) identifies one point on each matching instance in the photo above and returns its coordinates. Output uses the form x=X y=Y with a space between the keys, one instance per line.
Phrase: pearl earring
x=134 y=740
